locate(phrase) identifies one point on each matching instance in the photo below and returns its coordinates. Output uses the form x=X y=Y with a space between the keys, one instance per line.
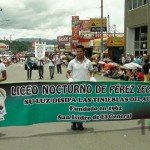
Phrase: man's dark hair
x=81 y=46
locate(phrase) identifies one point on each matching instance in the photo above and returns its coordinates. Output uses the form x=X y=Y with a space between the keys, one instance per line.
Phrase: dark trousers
x=41 y=71
x=78 y=124
x=52 y=70
x=59 y=68
x=29 y=73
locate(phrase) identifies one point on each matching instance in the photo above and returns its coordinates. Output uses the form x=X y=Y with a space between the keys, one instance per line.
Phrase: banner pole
x=101 y=30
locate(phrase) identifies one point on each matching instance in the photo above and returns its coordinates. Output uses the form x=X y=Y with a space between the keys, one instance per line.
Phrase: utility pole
x=114 y=30
x=108 y=26
x=101 y=30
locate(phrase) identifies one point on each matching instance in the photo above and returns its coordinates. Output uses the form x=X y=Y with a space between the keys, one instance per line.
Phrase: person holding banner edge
x=78 y=70
x=2 y=71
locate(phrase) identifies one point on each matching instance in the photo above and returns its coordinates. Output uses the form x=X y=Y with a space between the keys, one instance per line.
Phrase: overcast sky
x=52 y=18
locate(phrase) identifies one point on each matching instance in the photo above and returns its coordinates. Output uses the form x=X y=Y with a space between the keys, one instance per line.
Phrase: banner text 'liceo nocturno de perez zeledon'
x=40 y=102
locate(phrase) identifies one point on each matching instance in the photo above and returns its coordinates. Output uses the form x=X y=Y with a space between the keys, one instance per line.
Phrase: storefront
x=137 y=27
x=115 y=47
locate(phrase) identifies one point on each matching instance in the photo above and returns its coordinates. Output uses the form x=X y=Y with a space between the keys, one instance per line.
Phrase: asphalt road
x=16 y=73
x=114 y=135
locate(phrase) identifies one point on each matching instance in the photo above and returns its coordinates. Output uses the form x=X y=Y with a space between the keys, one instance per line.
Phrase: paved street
x=16 y=73
x=114 y=135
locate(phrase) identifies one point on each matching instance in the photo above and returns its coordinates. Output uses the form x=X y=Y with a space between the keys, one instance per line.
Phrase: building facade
x=137 y=27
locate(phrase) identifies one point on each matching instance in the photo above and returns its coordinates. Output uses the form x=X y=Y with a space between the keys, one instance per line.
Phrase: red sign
x=75 y=21
x=63 y=39
x=84 y=25
x=75 y=34
x=75 y=29
x=4 y=47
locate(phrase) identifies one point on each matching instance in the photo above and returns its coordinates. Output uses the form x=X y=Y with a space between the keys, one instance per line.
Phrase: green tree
x=18 y=46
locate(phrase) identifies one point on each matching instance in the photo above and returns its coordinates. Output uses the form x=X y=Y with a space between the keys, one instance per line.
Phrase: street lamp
x=101 y=30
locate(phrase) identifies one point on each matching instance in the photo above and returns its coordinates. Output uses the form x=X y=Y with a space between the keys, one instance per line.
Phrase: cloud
x=51 y=18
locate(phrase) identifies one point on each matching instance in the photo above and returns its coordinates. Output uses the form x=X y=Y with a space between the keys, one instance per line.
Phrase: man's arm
x=68 y=74
x=91 y=70
x=92 y=74
x=69 y=70
x=4 y=76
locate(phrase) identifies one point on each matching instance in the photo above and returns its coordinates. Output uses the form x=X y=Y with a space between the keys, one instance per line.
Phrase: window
x=139 y=3
x=130 y=4
x=145 y=2
x=143 y=33
x=136 y=45
x=134 y=4
x=143 y=45
x=137 y=34
x=136 y=53
x=140 y=38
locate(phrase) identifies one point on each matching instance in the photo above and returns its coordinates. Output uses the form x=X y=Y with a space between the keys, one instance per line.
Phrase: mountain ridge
x=48 y=41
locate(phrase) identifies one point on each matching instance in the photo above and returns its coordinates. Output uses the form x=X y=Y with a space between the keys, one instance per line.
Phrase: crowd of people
x=129 y=68
x=105 y=68
x=52 y=60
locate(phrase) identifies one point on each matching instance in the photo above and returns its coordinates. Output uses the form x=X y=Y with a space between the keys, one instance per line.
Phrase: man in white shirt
x=58 y=63
x=79 y=69
x=51 y=63
x=3 y=74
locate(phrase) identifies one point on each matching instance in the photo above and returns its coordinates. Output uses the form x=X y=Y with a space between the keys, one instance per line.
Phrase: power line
x=4 y=20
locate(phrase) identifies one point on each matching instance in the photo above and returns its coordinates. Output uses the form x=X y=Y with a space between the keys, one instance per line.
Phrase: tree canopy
x=17 y=46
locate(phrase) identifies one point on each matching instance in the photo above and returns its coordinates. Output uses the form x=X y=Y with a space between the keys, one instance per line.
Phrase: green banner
x=29 y=103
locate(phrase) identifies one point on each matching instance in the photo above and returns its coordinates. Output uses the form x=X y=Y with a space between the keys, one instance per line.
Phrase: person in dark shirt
x=146 y=68
x=41 y=68
x=29 y=62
